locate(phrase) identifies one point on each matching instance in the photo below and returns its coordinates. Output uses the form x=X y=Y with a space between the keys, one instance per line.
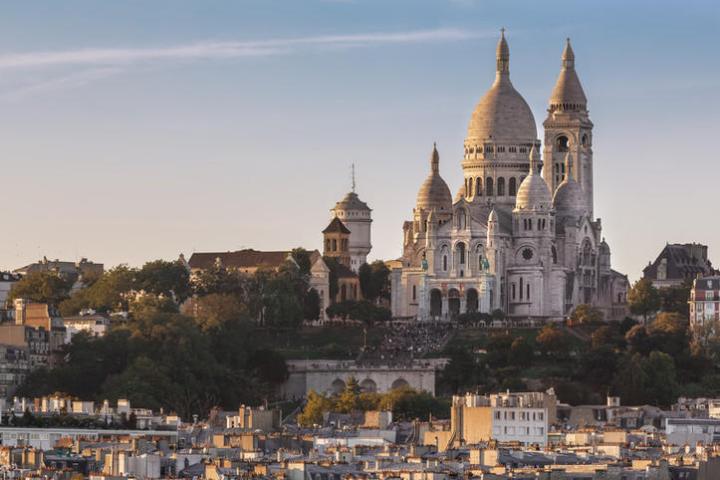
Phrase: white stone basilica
x=520 y=234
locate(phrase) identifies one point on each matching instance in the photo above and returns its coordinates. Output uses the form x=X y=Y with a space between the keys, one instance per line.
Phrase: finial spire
x=568 y=56
x=435 y=160
x=534 y=160
x=503 y=54
x=353 y=177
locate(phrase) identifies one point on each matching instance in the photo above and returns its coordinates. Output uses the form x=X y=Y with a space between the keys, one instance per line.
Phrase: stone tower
x=336 y=242
x=568 y=129
x=357 y=217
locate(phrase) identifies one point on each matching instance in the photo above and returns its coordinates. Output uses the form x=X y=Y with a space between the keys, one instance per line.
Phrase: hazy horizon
x=134 y=131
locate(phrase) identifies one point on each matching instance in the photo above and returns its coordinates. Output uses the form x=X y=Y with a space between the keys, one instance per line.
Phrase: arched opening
x=554 y=253
x=435 y=303
x=512 y=187
x=338 y=386
x=399 y=383
x=478 y=186
x=368 y=386
x=584 y=140
x=561 y=143
x=488 y=187
x=454 y=302
x=343 y=293
x=472 y=300
x=501 y=186
x=460 y=252
x=469 y=188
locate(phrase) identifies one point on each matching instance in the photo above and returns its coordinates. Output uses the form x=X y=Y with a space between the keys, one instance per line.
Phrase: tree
x=605 y=336
x=674 y=299
x=638 y=340
x=216 y=309
x=218 y=280
x=552 y=340
x=586 y=314
x=374 y=280
x=170 y=279
x=521 y=352
x=311 y=305
x=41 y=287
x=349 y=399
x=315 y=406
x=644 y=298
x=109 y=293
x=302 y=258
x=669 y=333
x=662 y=379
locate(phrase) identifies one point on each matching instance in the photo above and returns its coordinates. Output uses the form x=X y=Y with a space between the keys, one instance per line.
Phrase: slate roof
x=336 y=226
x=247 y=258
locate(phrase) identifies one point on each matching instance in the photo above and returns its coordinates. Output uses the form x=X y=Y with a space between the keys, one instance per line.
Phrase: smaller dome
x=533 y=193
x=434 y=192
x=568 y=92
x=352 y=202
x=568 y=198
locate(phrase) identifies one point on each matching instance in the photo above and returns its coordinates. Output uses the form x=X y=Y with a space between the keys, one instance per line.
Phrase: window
x=478 y=187
x=512 y=187
x=414 y=292
x=521 y=288
x=561 y=143
x=512 y=287
x=489 y=187
x=461 y=253
x=444 y=263
x=527 y=288
x=501 y=187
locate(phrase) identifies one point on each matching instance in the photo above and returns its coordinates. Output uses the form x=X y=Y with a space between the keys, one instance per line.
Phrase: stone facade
x=520 y=234
x=330 y=376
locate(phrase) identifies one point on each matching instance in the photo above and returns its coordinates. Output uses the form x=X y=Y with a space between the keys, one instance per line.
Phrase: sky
x=135 y=130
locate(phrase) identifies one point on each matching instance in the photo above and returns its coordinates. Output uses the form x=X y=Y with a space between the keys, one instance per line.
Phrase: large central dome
x=502 y=115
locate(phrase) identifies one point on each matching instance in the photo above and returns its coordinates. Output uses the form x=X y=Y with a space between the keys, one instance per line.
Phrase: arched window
x=521 y=288
x=414 y=292
x=584 y=140
x=512 y=186
x=527 y=289
x=512 y=287
x=334 y=245
x=444 y=263
x=501 y=186
x=561 y=143
x=461 y=253
x=554 y=254
x=469 y=182
x=478 y=187
x=488 y=187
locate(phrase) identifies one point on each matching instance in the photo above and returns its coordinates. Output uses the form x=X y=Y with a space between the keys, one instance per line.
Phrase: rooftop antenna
x=353 y=177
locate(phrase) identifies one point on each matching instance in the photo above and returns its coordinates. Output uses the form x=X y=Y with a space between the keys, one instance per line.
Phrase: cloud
x=228 y=49
x=73 y=80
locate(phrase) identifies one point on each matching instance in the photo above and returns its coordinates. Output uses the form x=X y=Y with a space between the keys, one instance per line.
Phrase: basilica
x=520 y=235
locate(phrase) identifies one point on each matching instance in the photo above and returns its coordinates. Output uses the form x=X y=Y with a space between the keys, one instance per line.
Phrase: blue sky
x=138 y=130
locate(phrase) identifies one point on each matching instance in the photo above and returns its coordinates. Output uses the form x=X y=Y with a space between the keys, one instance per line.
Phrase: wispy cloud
x=228 y=49
x=72 y=80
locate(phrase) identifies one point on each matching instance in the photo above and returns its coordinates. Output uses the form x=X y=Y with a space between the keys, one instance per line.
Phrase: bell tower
x=568 y=129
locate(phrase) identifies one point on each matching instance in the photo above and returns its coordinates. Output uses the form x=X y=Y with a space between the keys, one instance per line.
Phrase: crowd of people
x=405 y=341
